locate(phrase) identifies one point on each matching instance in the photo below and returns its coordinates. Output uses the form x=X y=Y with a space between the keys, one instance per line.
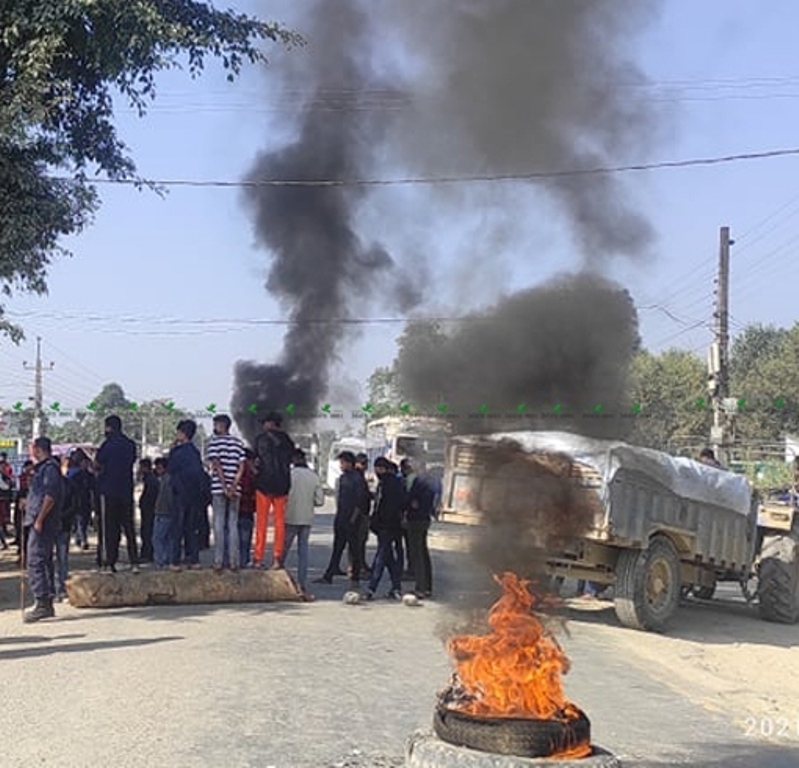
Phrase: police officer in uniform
x=43 y=520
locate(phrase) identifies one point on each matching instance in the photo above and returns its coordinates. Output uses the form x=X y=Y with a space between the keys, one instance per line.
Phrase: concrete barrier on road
x=188 y=587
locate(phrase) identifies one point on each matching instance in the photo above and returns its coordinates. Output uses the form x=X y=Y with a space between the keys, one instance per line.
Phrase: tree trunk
x=115 y=590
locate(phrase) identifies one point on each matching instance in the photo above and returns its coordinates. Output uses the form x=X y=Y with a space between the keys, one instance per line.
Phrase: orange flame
x=516 y=669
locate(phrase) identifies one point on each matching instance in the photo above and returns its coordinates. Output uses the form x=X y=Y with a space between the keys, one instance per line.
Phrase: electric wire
x=433 y=180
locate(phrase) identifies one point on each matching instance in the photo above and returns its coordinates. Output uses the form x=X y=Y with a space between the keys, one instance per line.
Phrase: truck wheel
x=778 y=580
x=648 y=585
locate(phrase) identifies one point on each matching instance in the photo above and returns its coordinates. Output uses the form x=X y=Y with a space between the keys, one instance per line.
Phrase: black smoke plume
x=452 y=88
x=523 y=86
x=321 y=268
x=553 y=357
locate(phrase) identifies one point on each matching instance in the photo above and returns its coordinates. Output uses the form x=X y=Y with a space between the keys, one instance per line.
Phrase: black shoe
x=323 y=580
x=339 y=572
x=394 y=595
x=42 y=610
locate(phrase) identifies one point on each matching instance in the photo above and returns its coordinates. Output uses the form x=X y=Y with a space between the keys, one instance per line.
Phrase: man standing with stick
x=43 y=520
x=115 y=461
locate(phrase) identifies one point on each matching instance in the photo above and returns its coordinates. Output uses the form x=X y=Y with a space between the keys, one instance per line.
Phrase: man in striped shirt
x=225 y=455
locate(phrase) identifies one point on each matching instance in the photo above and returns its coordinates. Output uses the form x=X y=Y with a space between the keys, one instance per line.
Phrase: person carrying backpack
x=274 y=450
x=74 y=490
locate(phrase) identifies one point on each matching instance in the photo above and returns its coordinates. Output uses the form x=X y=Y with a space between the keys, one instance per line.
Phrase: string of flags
x=443 y=410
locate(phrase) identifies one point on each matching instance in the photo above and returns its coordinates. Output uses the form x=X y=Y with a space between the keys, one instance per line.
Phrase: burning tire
x=648 y=585
x=427 y=751
x=511 y=736
x=778 y=580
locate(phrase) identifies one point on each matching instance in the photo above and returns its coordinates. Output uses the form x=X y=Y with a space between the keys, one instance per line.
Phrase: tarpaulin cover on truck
x=686 y=478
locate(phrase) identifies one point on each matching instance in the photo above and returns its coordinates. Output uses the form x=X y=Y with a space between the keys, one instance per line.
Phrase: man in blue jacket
x=43 y=510
x=352 y=502
x=190 y=483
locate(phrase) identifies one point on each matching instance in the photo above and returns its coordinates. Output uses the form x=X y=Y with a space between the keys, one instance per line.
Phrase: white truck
x=652 y=525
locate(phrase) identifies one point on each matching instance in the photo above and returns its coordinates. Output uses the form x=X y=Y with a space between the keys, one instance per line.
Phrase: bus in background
x=416 y=438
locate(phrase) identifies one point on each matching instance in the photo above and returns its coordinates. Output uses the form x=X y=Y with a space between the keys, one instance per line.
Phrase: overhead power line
x=466 y=179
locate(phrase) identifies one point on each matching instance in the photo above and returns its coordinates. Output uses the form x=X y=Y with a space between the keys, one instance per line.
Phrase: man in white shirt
x=305 y=494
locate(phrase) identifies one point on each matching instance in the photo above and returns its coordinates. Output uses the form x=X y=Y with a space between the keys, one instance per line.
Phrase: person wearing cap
x=43 y=510
x=273 y=450
x=351 y=504
x=188 y=479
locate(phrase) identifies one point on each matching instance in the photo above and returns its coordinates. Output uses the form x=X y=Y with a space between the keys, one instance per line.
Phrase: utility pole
x=718 y=360
x=38 y=389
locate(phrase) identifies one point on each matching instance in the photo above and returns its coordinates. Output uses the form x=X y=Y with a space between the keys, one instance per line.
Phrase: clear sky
x=133 y=304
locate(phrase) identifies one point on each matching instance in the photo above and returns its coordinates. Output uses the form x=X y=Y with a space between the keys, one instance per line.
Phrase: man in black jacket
x=273 y=451
x=352 y=501
x=386 y=522
x=114 y=463
x=362 y=466
x=147 y=500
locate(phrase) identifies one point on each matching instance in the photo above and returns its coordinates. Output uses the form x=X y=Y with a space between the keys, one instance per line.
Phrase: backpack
x=163 y=503
x=205 y=489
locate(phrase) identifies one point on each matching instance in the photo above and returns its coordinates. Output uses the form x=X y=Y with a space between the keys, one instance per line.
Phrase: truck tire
x=648 y=585
x=778 y=580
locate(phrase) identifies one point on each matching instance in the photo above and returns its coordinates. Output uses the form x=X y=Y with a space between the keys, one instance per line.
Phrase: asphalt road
x=296 y=686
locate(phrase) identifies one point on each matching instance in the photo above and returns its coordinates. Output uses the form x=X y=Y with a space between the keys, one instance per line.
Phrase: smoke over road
x=451 y=87
x=566 y=343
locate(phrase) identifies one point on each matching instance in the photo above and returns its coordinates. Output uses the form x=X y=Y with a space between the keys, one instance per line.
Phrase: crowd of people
x=248 y=491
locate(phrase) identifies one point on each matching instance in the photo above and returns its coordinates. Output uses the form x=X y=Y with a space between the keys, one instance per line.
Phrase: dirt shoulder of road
x=718 y=654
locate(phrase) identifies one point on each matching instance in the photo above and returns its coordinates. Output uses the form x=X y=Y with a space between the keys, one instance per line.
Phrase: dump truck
x=651 y=525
